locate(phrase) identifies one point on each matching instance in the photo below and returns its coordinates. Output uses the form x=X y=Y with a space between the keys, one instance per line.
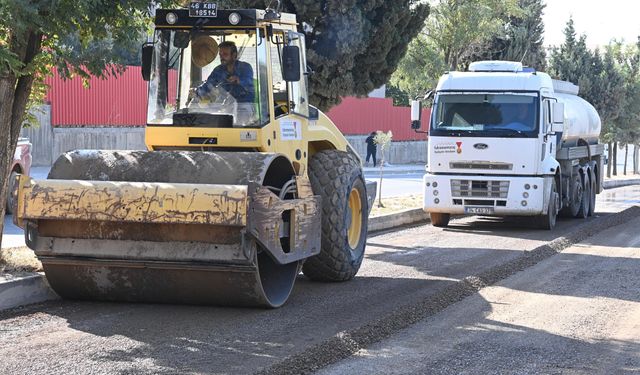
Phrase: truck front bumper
x=486 y=195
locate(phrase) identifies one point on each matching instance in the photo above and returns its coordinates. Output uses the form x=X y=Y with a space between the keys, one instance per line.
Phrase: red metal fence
x=122 y=101
x=362 y=116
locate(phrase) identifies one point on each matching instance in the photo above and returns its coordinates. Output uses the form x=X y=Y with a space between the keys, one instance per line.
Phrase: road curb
x=347 y=343
x=398 y=219
x=612 y=184
x=371 y=174
x=25 y=290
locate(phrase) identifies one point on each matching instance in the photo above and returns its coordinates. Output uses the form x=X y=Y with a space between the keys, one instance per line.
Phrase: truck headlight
x=435 y=184
x=525 y=195
x=524 y=203
x=435 y=192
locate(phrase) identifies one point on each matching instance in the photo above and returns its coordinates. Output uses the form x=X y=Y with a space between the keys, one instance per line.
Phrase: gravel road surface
x=577 y=312
x=414 y=273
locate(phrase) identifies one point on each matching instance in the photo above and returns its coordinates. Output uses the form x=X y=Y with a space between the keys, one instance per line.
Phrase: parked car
x=21 y=164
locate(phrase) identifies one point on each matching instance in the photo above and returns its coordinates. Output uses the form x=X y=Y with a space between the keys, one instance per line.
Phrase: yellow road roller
x=244 y=184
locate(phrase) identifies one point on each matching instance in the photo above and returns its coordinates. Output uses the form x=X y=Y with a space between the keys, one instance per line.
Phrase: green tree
x=452 y=33
x=399 y=96
x=522 y=40
x=420 y=69
x=353 y=46
x=600 y=80
x=125 y=54
x=572 y=61
x=457 y=27
x=627 y=58
x=31 y=35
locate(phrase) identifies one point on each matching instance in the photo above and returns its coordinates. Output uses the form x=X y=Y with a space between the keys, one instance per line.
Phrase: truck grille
x=480 y=165
x=479 y=189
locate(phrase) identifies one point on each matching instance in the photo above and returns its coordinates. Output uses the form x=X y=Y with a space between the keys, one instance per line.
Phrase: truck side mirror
x=557 y=117
x=147 y=56
x=291 y=63
x=416 y=114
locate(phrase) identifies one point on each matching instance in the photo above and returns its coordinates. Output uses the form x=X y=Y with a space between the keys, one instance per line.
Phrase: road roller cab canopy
x=190 y=84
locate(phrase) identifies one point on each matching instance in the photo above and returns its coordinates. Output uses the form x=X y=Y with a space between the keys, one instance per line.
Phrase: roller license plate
x=478 y=210
x=203 y=10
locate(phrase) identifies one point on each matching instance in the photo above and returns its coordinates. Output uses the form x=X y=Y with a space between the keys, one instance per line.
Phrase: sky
x=599 y=20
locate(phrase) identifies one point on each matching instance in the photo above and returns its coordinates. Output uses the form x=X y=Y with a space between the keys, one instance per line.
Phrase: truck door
x=550 y=139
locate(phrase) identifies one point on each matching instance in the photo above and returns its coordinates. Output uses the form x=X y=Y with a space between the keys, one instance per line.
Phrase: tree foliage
x=32 y=35
x=456 y=27
x=453 y=32
x=420 y=69
x=611 y=82
x=522 y=39
x=627 y=57
x=600 y=80
x=353 y=46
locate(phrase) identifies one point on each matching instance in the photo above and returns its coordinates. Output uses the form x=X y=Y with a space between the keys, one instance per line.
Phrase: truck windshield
x=485 y=115
x=209 y=78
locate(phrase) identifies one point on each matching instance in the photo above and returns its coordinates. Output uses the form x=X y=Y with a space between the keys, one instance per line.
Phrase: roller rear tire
x=337 y=177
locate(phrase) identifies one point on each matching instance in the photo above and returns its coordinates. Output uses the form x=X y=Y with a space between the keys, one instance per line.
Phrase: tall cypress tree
x=353 y=46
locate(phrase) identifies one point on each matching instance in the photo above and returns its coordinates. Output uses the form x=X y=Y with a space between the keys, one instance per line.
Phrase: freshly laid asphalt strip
x=347 y=343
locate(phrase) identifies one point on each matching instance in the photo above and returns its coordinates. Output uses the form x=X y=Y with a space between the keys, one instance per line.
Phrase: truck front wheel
x=548 y=221
x=439 y=220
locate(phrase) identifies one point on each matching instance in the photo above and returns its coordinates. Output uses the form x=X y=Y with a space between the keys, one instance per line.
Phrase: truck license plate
x=478 y=210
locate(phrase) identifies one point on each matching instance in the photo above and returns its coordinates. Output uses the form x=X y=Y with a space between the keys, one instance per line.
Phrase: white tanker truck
x=509 y=141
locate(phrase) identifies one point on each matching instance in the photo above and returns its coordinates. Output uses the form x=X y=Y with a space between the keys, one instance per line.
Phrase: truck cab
x=505 y=140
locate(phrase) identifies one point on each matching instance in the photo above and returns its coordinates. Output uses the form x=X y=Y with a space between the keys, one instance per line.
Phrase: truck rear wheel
x=592 y=194
x=585 y=204
x=576 y=191
x=337 y=177
x=439 y=219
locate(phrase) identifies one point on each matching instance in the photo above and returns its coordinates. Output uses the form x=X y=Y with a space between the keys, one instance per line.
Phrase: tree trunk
x=14 y=96
x=609 y=158
x=615 y=158
x=626 y=158
x=635 y=158
x=380 y=184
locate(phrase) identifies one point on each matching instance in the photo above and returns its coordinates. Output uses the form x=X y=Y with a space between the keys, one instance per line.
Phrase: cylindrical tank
x=581 y=120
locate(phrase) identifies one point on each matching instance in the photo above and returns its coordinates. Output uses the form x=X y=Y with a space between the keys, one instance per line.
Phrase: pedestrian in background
x=371 y=148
